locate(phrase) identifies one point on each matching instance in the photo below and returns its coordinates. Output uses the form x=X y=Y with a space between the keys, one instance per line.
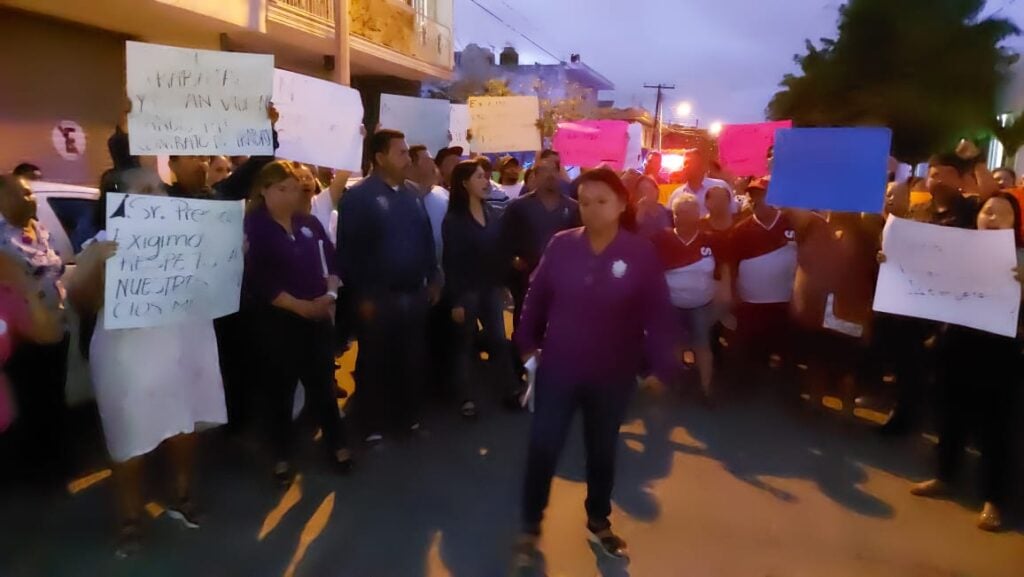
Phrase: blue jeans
x=604 y=408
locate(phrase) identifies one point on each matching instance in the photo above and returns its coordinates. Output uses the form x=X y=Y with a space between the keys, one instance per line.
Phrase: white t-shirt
x=324 y=210
x=701 y=192
x=512 y=191
x=436 y=204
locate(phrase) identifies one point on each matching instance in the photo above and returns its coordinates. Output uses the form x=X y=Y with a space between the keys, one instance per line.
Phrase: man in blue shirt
x=387 y=261
x=529 y=223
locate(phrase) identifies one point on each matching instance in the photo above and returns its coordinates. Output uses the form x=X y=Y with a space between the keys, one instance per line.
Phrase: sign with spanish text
x=743 y=148
x=198 y=102
x=591 y=143
x=424 y=121
x=178 y=259
x=841 y=169
x=635 y=148
x=459 y=126
x=320 y=121
x=504 y=123
x=934 y=272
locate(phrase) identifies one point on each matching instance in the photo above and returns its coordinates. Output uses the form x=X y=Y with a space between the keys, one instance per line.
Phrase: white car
x=68 y=213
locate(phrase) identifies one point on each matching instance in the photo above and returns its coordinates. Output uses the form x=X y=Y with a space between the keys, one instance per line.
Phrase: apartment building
x=64 y=60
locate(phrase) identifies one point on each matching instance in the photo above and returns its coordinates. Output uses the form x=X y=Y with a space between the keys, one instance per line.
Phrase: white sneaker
x=374 y=438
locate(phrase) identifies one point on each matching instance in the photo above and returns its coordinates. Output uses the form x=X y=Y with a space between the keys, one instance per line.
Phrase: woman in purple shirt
x=291 y=285
x=599 y=309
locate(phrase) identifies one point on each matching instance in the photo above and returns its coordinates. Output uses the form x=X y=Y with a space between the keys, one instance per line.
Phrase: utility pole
x=658 y=110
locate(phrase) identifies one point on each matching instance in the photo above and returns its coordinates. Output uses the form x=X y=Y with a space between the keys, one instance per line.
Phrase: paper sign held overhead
x=177 y=260
x=320 y=121
x=459 y=126
x=424 y=121
x=743 y=148
x=934 y=272
x=842 y=169
x=635 y=148
x=198 y=102
x=504 y=123
x=591 y=143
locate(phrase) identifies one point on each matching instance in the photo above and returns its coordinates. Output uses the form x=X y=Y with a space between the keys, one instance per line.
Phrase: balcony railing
x=311 y=16
x=323 y=9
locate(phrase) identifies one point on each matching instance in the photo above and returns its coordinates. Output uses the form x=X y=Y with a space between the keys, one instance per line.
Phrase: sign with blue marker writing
x=178 y=259
x=841 y=169
x=198 y=102
x=934 y=272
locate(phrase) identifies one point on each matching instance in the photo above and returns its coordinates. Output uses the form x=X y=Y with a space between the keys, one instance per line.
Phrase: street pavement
x=749 y=489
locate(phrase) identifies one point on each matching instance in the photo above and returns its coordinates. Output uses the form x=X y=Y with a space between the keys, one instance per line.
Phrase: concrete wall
x=56 y=72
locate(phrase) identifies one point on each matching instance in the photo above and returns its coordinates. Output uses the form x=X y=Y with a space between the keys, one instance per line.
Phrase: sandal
x=612 y=545
x=469 y=410
x=185 y=512
x=343 y=461
x=990 y=520
x=526 y=555
x=284 y=474
x=129 y=539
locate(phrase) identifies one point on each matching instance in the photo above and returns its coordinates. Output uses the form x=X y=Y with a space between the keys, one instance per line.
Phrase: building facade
x=66 y=66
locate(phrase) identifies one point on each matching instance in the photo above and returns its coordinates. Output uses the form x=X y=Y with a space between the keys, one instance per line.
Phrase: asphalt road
x=747 y=490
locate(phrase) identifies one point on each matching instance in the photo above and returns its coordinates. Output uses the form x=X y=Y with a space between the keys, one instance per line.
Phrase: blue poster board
x=841 y=169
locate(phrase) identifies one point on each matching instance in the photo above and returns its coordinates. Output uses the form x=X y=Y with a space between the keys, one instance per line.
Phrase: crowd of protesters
x=609 y=283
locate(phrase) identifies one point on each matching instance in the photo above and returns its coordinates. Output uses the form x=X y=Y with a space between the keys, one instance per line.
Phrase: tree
x=1011 y=136
x=571 y=103
x=930 y=70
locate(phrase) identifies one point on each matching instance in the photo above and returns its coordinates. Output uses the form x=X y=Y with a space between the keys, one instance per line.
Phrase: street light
x=715 y=129
x=684 y=109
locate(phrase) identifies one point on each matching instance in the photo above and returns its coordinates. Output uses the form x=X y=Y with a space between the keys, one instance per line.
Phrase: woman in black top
x=473 y=278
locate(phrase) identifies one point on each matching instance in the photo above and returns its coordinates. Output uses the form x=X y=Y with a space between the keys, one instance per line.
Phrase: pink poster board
x=589 y=143
x=743 y=148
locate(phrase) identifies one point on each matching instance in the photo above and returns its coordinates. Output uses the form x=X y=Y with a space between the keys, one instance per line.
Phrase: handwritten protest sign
x=934 y=272
x=424 y=121
x=197 y=102
x=635 y=148
x=743 y=148
x=177 y=259
x=459 y=126
x=320 y=121
x=504 y=123
x=843 y=169
x=590 y=143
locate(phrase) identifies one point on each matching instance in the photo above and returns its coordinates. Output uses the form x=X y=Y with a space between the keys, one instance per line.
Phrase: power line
x=516 y=30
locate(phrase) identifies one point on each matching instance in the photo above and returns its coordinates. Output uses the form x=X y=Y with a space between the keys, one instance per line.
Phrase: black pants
x=604 y=408
x=899 y=347
x=486 y=308
x=294 y=348
x=391 y=363
x=978 y=397
x=344 y=320
x=762 y=330
x=440 y=351
x=234 y=347
x=518 y=285
x=38 y=374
